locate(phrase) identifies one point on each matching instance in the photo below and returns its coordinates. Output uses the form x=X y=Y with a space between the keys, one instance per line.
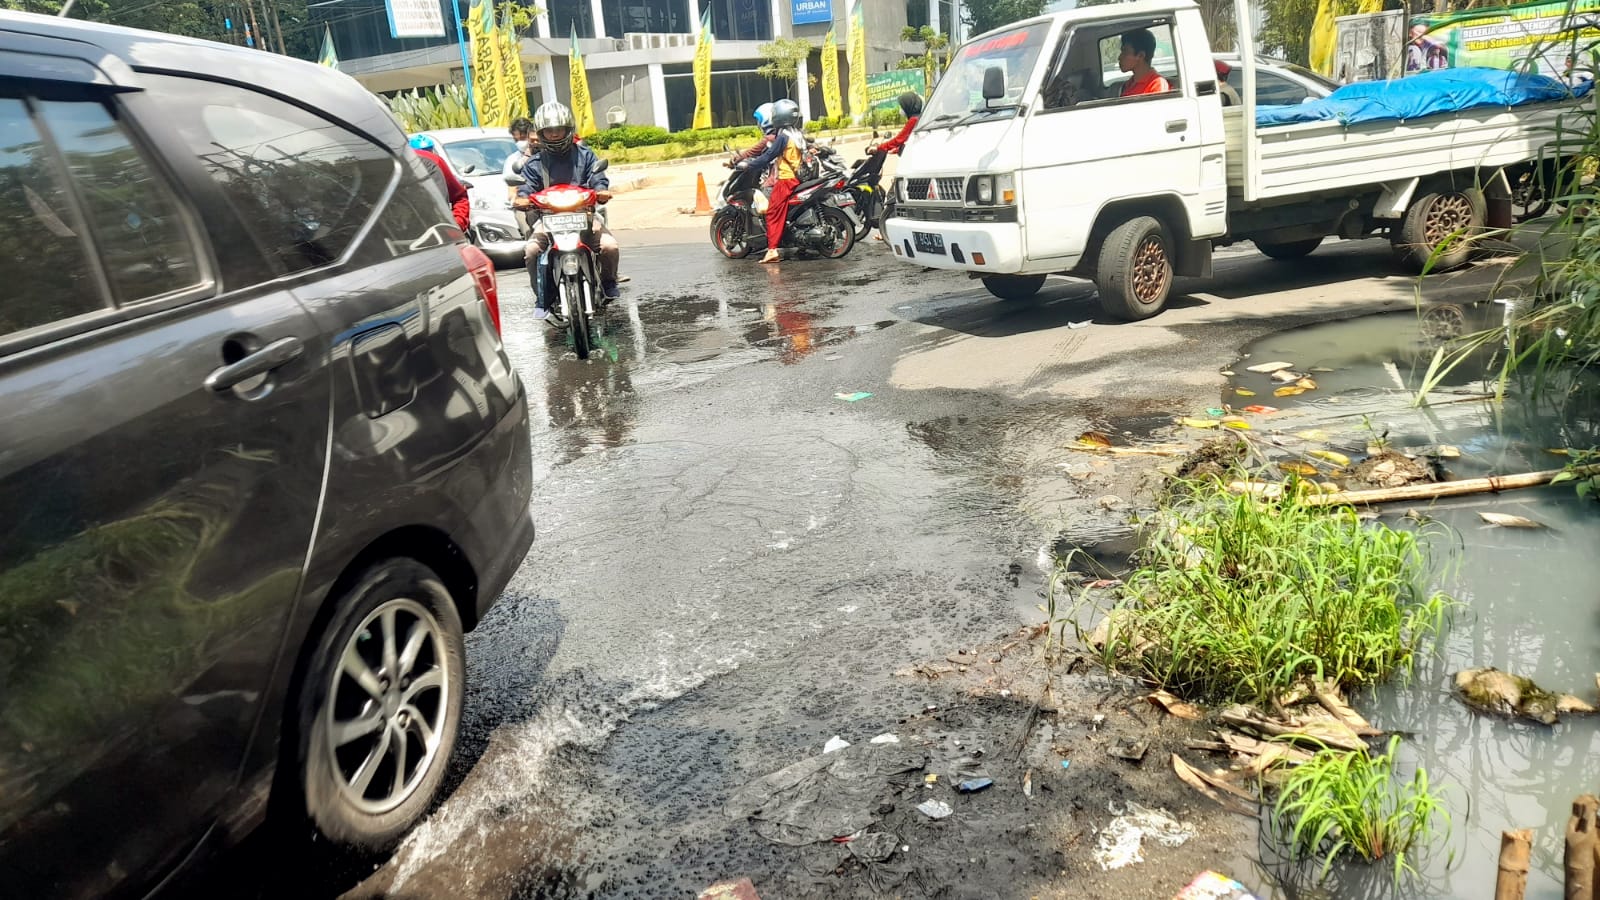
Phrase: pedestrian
x=455 y=192
x=784 y=156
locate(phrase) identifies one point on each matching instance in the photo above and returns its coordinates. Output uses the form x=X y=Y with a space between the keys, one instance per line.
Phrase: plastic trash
x=730 y=890
x=1122 y=842
x=885 y=739
x=1066 y=764
x=974 y=785
x=935 y=809
x=835 y=743
x=1076 y=325
x=1214 y=886
x=852 y=397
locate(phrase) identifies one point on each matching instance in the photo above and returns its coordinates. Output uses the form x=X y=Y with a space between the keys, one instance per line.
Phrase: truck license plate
x=928 y=243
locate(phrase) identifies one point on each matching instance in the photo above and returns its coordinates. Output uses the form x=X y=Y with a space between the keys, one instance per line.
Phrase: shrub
x=712 y=135
x=628 y=136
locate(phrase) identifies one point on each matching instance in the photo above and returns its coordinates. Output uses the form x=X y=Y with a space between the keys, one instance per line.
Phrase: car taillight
x=482 y=272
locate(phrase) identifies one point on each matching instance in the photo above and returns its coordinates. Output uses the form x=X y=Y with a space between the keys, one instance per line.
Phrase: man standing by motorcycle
x=455 y=191
x=561 y=160
x=785 y=155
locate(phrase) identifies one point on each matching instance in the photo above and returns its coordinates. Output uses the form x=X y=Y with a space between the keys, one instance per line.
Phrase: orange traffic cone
x=702 y=200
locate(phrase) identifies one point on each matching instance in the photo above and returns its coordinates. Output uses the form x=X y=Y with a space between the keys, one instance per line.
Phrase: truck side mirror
x=994 y=83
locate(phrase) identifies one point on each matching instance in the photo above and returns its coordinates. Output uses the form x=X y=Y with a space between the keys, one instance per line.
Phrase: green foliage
x=1286 y=26
x=204 y=19
x=783 y=57
x=444 y=106
x=1239 y=598
x=1342 y=802
x=628 y=136
x=702 y=135
x=987 y=15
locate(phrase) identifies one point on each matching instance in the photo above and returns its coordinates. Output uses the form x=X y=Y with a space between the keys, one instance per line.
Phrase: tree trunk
x=1515 y=849
x=1579 y=858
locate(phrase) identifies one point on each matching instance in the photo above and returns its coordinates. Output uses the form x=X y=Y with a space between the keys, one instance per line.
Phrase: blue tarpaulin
x=1423 y=94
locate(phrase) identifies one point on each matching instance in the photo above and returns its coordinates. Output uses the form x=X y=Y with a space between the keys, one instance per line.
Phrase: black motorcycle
x=813 y=226
x=866 y=189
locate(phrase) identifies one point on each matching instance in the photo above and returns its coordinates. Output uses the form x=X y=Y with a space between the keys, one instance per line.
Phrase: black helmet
x=911 y=104
x=554 y=116
x=785 y=113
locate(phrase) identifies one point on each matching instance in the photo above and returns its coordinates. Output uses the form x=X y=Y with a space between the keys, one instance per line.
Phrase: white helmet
x=554 y=115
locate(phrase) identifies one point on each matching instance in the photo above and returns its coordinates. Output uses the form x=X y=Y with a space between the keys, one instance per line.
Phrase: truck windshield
x=959 y=94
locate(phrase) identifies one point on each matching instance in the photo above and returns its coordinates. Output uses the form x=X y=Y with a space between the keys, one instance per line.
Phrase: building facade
x=639 y=53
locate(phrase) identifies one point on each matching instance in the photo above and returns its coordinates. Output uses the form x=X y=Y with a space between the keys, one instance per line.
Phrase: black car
x=263 y=459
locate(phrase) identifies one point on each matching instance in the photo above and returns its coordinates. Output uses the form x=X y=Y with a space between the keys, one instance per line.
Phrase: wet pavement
x=733 y=564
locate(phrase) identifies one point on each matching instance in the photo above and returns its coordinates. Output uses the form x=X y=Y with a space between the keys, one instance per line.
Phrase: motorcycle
x=571 y=267
x=865 y=188
x=816 y=222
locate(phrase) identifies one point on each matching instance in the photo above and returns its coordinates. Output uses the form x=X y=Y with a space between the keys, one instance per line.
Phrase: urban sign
x=415 y=18
x=811 y=12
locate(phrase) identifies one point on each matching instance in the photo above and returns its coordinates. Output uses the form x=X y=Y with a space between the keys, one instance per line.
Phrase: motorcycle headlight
x=569 y=265
x=481 y=204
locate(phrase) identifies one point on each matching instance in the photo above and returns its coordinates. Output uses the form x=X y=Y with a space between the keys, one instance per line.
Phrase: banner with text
x=415 y=18
x=884 y=88
x=1540 y=38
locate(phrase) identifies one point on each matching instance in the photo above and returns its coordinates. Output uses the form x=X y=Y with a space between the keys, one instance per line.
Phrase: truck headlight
x=985 y=189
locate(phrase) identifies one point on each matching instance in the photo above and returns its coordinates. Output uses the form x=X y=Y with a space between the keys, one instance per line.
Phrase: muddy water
x=1530 y=598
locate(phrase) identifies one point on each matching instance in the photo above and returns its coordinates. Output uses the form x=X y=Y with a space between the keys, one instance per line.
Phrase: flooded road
x=1530 y=598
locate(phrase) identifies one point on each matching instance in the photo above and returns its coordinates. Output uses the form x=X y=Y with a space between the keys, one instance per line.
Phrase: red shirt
x=460 y=206
x=898 y=142
x=1150 y=83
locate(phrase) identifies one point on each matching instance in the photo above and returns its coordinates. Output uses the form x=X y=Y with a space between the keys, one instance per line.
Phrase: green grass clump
x=1241 y=599
x=1350 y=802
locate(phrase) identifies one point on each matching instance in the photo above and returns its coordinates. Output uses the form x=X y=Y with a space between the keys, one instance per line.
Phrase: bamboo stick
x=1433 y=491
x=1515 y=849
x=1578 y=861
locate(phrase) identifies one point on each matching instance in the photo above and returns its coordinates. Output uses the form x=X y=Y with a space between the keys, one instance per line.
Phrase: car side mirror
x=469 y=169
x=994 y=83
x=604 y=165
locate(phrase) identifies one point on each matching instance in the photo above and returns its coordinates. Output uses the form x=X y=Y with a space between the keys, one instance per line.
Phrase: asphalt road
x=733 y=563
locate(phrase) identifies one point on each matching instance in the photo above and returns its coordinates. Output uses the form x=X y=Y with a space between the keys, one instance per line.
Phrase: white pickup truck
x=1027 y=162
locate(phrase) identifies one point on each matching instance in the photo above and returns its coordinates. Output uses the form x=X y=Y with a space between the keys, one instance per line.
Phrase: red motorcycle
x=571 y=267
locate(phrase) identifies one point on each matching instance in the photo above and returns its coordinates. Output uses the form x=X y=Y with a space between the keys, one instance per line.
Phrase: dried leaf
x=1315 y=434
x=1294 y=467
x=1238 y=425
x=1508 y=521
x=1174 y=706
x=1307 y=383
x=1027 y=783
x=1559 y=451
x=1244 y=392
x=1445 y=451
x=1328 y=696
x=1270 y=367
x=1197 y=780
x=1198 y=423
x=1292 y=390
x=1333 y=456
x=1094 y=439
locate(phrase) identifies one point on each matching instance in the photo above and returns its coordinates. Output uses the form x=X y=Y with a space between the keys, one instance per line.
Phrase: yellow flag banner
x=485 y=51
x=512 y=79
x=578 y=82
x=857 y=58
x=1324 y=34
x=830 y=77
x=702 y=73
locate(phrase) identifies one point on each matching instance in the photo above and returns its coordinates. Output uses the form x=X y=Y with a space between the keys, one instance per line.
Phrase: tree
x=203 y=19
x=987 y=15
x=935 y=52
x=783 y=57
x=1286 y=26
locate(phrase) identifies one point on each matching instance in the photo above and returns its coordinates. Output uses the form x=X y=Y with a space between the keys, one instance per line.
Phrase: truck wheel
x=1446 y=219
x=1135 y=271
x=1288 y=249
x=1013 y=287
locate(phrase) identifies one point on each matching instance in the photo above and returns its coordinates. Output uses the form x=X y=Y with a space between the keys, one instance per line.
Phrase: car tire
x=373 y=705
x=1438 y=220
x=1134 y=275
x=1013 y=287
x=1288 y=249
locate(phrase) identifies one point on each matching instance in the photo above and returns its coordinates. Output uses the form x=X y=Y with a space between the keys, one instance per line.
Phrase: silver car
x=1278 y=83
x=478 y=156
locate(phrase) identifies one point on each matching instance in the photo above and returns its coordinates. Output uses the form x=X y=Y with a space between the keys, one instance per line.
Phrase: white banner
x=415 y=18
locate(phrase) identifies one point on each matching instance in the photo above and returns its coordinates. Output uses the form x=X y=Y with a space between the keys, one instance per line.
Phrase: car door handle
x=260 y=362
x=1177 y=125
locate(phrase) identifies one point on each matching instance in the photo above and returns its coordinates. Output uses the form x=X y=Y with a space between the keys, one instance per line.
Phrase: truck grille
x=949 y=190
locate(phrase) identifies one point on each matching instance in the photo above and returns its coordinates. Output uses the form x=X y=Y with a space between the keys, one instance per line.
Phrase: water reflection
x=1529 y=597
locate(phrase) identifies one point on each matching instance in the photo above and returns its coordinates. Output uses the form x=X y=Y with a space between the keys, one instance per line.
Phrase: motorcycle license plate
x=928 y=243
x=567 y=222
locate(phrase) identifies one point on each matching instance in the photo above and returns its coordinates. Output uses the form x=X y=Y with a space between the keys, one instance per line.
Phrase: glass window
x=959 y=93
x=480 y=156
x=302 y=186
x=741 y=20
x=144 y=243
x=568 y=17
x=42 y=253
x=648 y=17
x=1092 y=65
x=1273 y=89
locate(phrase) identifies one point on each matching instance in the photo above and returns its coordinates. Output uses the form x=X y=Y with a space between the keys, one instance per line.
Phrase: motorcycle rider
x=454 y=190
x=763 y=117
x=784 y=156
x=911 y=105
x=561 y=160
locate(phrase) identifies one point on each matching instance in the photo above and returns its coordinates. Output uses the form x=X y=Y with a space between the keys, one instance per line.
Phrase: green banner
x=884 y=88
x=1539 y=38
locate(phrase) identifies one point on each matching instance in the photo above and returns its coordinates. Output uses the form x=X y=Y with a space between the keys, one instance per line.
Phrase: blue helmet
x=763 y=116
x=422 y=142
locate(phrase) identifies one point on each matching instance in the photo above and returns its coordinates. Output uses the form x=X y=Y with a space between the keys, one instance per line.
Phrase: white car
x=477 y=156
x=1278 y=83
